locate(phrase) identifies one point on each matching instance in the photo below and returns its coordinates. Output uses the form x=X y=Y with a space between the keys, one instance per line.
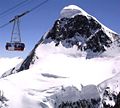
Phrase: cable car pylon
x=15 y=43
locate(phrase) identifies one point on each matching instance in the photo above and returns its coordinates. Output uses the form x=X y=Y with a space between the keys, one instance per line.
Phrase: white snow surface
x=8 y=63
x=60 y=58
x=71 y=10
x=59 y=72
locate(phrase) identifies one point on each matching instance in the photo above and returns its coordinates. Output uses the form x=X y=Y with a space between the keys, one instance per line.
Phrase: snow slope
x=59 y=75
x=8 y=63
x=71 y=11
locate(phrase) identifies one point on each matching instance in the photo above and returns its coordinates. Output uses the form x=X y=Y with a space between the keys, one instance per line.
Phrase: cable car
x=15 y=44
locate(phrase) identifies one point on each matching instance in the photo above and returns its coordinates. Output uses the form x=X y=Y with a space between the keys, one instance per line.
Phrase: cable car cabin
x=15 y=46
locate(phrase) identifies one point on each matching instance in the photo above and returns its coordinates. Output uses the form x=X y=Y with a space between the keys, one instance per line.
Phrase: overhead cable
x=34 y=8
x=12 y=8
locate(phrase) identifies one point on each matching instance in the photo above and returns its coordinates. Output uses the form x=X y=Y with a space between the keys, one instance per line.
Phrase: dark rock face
x=117 y=102
x=86 y=33
x=93 y=103
x=3 y=100
x=109 y=96
x=117 y=105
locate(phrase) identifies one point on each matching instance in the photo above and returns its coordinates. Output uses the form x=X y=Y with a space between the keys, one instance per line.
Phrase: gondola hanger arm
x=18 y=16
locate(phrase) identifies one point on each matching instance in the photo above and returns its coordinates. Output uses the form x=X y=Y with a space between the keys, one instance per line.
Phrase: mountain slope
x=57 y=74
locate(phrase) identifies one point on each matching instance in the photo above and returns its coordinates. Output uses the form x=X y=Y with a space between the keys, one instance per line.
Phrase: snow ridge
x=72 y=10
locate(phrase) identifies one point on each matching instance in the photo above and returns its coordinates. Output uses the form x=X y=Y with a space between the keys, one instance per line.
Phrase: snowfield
x=57 y=74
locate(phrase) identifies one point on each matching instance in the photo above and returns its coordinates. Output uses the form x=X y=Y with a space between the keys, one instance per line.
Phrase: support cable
x=34 y=8
x=12 y=8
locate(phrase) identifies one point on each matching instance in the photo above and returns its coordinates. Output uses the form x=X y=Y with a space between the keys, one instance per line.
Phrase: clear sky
x=36 y=23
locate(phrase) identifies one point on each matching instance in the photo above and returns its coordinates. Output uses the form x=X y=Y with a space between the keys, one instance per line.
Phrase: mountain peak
x=75 y=27
x=71 y=10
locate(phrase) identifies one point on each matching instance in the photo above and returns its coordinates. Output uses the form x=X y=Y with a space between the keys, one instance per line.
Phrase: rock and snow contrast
x=74 y=65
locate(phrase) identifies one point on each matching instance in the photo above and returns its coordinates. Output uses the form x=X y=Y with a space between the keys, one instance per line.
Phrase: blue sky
x=36 y=23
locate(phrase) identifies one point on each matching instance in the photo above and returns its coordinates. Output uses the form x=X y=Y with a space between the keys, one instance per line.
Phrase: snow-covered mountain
x=75 y=64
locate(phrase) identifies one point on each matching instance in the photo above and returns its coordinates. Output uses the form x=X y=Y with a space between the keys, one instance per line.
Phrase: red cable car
x=15 y=44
